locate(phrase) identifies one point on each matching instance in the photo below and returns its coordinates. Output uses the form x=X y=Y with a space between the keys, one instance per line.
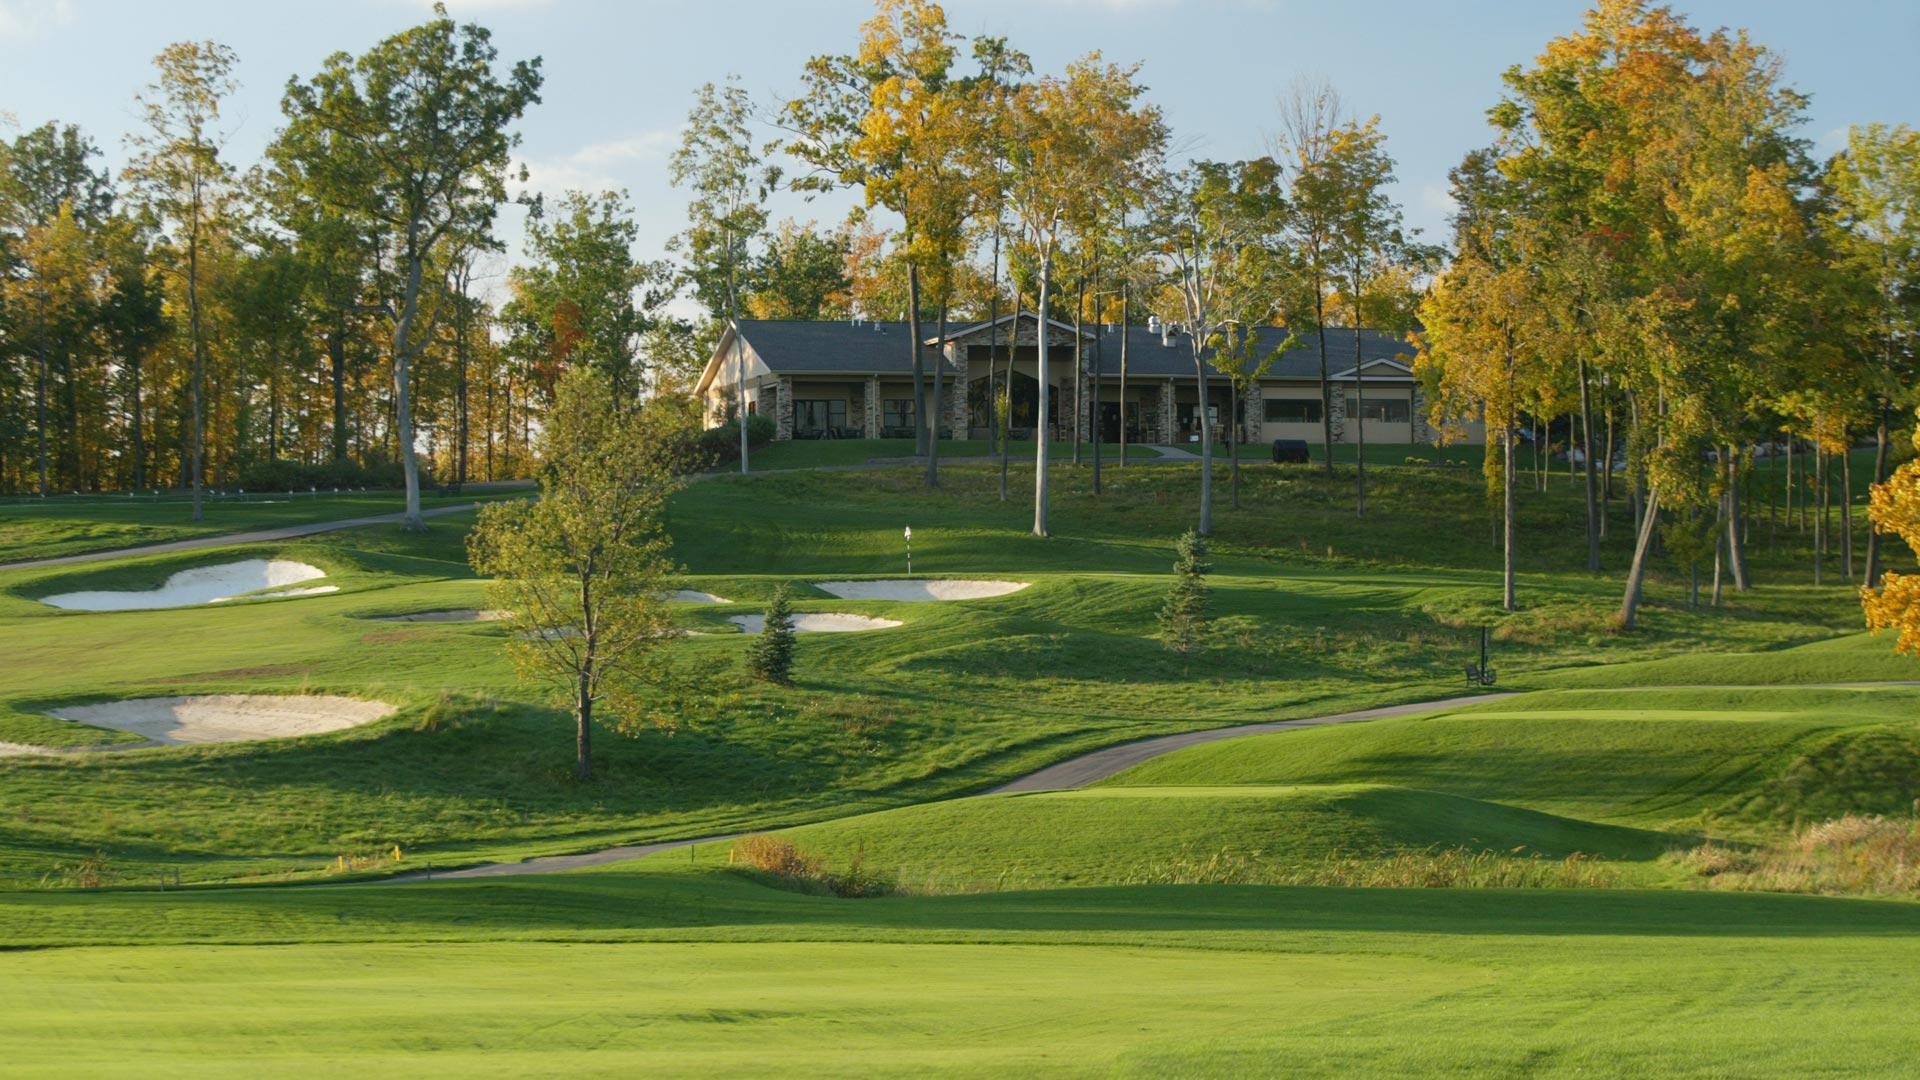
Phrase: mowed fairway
x=1191 y=916
x=667 y=1009
x=669 y=970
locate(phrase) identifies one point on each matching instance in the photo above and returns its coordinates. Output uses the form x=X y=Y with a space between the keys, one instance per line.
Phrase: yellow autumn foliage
x=1896 y=510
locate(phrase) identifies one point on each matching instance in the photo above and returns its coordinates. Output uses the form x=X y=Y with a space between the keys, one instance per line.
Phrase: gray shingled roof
x=795 y=347
x=1147 y=357
x=792 y=346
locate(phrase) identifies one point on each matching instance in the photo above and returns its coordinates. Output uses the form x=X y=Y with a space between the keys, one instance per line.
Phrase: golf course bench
x=1479 y=676
x=1290 y=451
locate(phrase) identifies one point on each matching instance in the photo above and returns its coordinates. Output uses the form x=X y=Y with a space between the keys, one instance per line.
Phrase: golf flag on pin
x=909 y=551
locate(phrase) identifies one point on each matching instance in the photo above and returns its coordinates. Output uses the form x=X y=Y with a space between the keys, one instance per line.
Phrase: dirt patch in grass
x=264 y=671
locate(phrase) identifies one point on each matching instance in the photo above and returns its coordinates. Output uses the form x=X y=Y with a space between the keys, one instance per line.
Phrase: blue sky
x=620 y=75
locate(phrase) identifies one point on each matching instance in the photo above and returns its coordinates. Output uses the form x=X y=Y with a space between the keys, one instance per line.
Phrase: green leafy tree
x=584 y=568
x=177 y=172
x=1183 y=618
x=1069 y=139
x=582 y=279
x=411 y=138
x=1216 y=223
x=1876 y=223
x=802 y=274
x=770 y=657
x=730 y=183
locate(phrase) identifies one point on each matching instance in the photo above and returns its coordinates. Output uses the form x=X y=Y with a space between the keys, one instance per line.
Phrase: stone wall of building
x=870 y=408
x=1167 y=412
x=953 y=402
x=1252 y=413
x=783 y=408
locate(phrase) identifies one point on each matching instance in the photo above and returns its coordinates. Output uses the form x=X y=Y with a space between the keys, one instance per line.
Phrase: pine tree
x=1183 y=621
x=770 y=659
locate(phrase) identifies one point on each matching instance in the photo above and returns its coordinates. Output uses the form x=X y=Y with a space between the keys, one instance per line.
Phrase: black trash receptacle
x=1290 y=451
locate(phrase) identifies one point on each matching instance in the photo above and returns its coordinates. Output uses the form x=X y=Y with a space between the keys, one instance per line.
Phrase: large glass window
x=820 y=415
x=1391 y=410
x=1292 y=410
x=896 y=413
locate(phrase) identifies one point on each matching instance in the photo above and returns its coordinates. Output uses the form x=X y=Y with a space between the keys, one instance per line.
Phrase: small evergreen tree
x=770 y=659
x=1183 y=621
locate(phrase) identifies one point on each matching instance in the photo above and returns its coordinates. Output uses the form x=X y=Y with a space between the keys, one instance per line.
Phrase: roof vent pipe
x=1166 y=335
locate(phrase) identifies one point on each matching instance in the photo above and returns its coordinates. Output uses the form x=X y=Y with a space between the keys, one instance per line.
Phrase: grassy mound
x=1651 y=759
x=1129 y=835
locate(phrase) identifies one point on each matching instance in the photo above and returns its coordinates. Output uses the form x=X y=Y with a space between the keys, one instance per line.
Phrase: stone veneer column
x=1252 y=414
x=954 y=400
x=1337 y=411
x=783 y=408
x=1167 y=412
x=871 y=418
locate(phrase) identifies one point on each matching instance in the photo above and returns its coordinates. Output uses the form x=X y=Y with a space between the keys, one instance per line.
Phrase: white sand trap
x=203 y=585
x=455 y=615
x=695 y=596
x=228 y=717
x=828 y=622
x=920 y=589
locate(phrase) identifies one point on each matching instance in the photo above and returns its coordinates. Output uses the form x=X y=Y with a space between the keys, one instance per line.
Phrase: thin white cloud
x=596 y=167
x=24 y=20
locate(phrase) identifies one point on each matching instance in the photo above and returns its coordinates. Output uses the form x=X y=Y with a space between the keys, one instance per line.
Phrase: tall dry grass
x=785 y=865
x=1432 y=868
x=1854 y=855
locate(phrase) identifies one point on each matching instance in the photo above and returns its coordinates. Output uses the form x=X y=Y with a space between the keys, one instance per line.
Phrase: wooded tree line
x=304 y=320
x=1650 y=251
x=1647 y=265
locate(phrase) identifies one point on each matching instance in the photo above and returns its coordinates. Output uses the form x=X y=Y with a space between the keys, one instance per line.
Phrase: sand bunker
x=203 y=585
x=228 y=717
x=695 y=596
x=456 y=615
x=829 y=622
x=920 y=589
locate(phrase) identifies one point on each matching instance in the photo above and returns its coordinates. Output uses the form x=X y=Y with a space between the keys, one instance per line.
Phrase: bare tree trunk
x=1206 y=440
x=403 y=389
x=136 y=364
x=939 y=363
x=1013 y=346
x=920 y=418
x=583 y=722
x=1736 y=536
x=1637 y=571
x=1359 y=430
x=1233 y=440
x=1040 y=429
x=1820 y=521
x=1326 y=392
x=1508 y=600
x=1586 y=453
x=1099 y=357
x=40 y=409
x=1126 y=314
x=199 y=357
x=1079 y=367
x=1879 y=477
x=993 y=349
x=1606 y=487
x=1846 y=508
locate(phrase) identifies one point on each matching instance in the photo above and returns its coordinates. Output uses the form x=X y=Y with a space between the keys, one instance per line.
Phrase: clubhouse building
x=853 y=380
